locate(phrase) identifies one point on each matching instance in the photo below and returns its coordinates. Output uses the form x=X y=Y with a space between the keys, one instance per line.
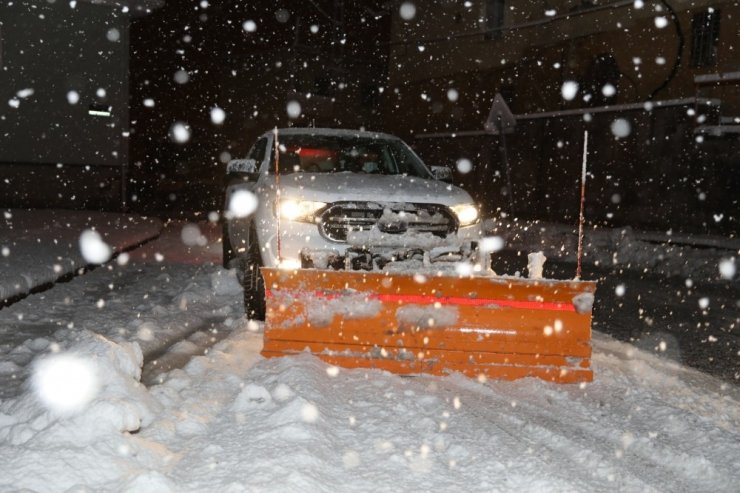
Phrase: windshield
x=340 y=154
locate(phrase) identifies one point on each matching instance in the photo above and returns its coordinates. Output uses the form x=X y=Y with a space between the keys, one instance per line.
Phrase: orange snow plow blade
x=484 y=327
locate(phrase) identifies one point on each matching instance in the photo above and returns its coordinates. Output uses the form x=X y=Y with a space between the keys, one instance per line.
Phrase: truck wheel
x=228 y=253
x=254 y=286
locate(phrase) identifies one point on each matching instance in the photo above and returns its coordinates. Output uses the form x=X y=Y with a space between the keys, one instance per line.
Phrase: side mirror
x=442 y=173
x=242 y=170
x=241 y=166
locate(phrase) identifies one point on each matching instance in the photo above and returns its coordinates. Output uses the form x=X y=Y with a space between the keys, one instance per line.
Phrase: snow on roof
x=338 y=132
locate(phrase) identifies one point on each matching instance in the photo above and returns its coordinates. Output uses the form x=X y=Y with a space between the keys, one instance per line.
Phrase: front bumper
x=296 y=236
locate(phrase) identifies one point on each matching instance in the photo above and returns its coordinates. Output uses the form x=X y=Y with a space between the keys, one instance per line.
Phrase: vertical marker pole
x=277 y=192
x=581 y=219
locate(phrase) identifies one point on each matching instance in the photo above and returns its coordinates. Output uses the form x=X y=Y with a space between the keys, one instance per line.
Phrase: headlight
x=299 y=210
x=467 y=214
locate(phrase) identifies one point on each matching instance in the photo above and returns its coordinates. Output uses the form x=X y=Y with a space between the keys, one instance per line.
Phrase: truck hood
x=335 y=187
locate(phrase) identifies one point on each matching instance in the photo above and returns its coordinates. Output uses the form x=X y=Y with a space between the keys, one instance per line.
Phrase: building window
x=494 y=18
x=705 y=38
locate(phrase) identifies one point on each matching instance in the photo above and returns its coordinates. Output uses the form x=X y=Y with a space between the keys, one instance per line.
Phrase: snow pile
x=535 y=264
x=224 y=282
x=411 y=239
x=48 y=434
x=154 y=305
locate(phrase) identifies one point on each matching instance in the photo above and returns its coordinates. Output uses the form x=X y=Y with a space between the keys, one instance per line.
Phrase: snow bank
x=40 y=246
x=46 y=438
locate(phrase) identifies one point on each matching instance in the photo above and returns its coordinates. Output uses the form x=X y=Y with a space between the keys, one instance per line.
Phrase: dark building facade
x=654 y=82
x=326 y=59
x=64 y=86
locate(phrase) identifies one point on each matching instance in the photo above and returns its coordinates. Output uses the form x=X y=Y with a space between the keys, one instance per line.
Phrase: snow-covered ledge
x=135 y=6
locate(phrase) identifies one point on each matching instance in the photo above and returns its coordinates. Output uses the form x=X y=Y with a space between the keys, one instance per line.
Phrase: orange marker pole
x=581 y=219
x=277 y=192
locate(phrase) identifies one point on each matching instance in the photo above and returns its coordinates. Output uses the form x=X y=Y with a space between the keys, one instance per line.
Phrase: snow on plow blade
x=495 y=327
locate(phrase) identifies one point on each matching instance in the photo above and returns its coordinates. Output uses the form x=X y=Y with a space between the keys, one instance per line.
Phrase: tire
x=228 y=256
x=254 y=286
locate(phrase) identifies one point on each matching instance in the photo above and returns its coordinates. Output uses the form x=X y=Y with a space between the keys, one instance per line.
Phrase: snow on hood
x=333 y=187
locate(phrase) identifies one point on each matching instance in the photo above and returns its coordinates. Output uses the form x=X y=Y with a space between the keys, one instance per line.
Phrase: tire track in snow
x=571 y=444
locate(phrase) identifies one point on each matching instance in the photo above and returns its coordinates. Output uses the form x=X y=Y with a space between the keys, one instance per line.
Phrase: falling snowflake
x=249 y=26
x=294 y=109
x=282 y=15
x=93 y=249
x=242 y=204
x=464 y=165
x=191 y=235
x=569 y=90
x=113 y=35
x=65 y=383
x=181 y=77
x=621 y=128
x=727 y=268
x=407 y=11
x=25 y=93
x=491 y=244
x=608 y=90
x=180 y=132
x=217 y=115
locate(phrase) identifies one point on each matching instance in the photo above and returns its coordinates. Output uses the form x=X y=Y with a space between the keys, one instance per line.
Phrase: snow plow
x=428 y=317
x=366 y=258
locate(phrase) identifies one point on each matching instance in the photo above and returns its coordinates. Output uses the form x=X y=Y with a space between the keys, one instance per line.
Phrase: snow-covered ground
x=696 y=257
x=213 y=415
x=163 y=294
x=233 y=421
x=38 y=247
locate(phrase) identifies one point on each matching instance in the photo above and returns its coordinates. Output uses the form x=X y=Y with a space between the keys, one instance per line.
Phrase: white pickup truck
x=332 y=187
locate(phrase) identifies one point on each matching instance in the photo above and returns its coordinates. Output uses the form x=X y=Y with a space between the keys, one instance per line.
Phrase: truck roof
x=332 y=132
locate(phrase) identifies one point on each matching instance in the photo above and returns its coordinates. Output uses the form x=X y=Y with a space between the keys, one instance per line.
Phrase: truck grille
x=341 y=218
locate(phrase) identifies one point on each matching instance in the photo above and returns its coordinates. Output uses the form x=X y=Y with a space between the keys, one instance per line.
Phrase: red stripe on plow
x=449 y=300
